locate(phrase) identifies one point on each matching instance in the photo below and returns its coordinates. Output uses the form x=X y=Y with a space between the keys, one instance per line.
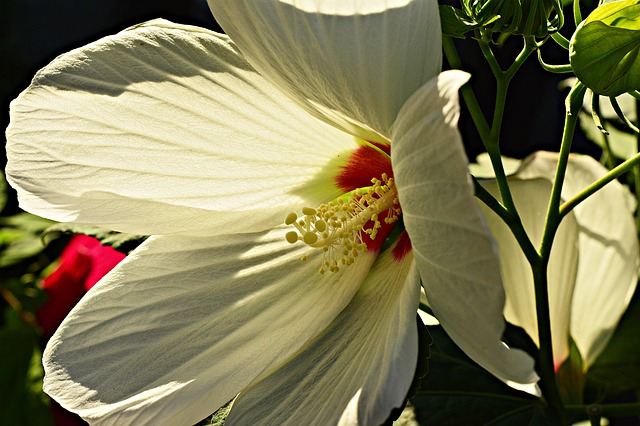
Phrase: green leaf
x=617 y=369
x=20 y=238
x=3 y=191
x=604 y=49
x=458 y=391
x=22 y=402
x=124 y=243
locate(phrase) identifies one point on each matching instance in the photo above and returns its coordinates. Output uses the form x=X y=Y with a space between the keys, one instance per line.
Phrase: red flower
x=83 y=262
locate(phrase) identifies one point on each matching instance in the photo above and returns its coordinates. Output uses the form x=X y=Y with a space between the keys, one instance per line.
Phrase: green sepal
x=571 y=377
x=456 y=23
x=604 y=49
x=121 y=242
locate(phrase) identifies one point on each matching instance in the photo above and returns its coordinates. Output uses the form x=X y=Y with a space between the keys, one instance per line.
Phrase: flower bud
x=526 y=17
x=604 y=49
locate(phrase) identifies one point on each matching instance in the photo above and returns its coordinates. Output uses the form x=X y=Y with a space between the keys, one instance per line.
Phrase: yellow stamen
x=336 y=227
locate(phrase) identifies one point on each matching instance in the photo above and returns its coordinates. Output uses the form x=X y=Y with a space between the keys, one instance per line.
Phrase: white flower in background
x=170 y=131
x=594 y=259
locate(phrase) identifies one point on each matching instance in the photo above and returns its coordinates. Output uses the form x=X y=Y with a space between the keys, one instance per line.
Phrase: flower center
x=340 y=227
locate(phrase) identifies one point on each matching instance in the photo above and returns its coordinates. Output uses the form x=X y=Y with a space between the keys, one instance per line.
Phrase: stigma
x=341 y=227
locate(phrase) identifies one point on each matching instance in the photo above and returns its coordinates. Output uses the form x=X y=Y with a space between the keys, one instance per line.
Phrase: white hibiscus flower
x=174 y=132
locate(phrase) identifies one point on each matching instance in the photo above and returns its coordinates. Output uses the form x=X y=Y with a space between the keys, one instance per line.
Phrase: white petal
x=452 y=246
x=165 y=128
x=357 y=370
x=358 y=59
x=483 y=168
x=186 y=323
x=531 y=198
x=608 y=247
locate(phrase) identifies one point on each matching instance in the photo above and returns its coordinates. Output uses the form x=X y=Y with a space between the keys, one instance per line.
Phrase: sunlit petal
x=608 y=247
x=452 y=246
x=184 y=324
x=164 y=129
x=344 y=59
x=357 y=370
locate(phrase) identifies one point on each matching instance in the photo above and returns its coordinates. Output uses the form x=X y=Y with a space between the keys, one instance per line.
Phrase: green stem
x=577 y=15
x=529 y=47
x=561 y=40
x=547 y=370
x=606 y=410
x=512 y=220
x=636 y=184
x=466 y=91
x=490 y=57
x=553 y=212
x=609 y=159
x=488 y=199
x=623 y=168
x=636 y=170
x=492 y=145
x=490 y=137
x=556 y=69
x=507 y=210
x=625 y=120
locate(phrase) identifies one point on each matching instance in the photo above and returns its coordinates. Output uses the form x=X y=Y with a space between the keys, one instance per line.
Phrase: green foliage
x=617 y=369
x=23 y=258
x=20 y=238
x=3 y=192
x=604 y=49
x=124 y=243
x=458 y=391
x=22 y=402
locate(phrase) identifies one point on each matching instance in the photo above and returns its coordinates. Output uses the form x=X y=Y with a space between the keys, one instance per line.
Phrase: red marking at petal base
x=402 y=248
x=364 y=164
x=384 y=147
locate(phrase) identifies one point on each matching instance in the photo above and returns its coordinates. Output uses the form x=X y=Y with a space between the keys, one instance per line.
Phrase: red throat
x=365 y=163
